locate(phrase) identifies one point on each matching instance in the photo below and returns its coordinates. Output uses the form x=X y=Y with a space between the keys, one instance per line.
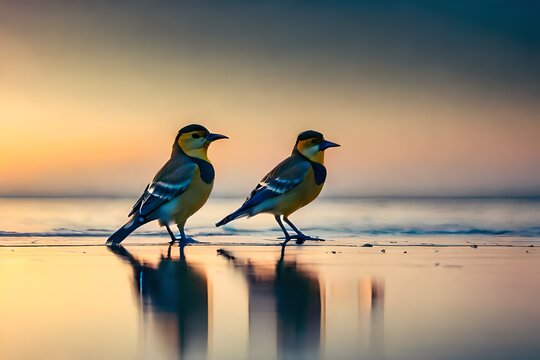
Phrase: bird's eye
x=196 y=136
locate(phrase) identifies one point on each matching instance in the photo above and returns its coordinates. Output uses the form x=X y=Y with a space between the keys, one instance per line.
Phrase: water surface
x=142 y=302
x=423 y=291
x=451 y=221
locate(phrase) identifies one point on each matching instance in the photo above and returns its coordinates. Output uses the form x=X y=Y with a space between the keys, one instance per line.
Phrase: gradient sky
x=426 y=97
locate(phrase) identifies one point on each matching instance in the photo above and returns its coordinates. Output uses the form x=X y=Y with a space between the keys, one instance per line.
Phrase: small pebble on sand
x=383 y=251
x=474 y=246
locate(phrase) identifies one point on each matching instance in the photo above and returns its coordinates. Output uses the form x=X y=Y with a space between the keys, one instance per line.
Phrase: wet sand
x=330 y=300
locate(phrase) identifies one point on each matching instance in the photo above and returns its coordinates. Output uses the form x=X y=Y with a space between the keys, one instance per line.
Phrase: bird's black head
x=309 y=134
x=193 y=128
x=312 y=144
x=194 y=140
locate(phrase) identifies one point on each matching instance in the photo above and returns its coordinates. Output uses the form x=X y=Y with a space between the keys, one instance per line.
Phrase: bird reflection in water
x=293 y=294
x=294 y=310
x=177 y=294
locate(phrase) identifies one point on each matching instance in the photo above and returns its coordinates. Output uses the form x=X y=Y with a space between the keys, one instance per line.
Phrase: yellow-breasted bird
x=292 y=184
x=179 y=189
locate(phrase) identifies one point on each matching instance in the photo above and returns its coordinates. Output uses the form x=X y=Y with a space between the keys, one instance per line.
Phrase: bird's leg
x=171 y=234
x=300 y=236
x=184 y=238
x=282 y=254
x=296 y=230
x=287 y=236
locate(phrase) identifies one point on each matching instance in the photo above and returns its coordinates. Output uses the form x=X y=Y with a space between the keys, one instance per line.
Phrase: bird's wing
x=138 y=203
x=171 y=181
x=283 y=178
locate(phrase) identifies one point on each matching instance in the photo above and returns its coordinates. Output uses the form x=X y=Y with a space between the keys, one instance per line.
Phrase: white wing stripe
x=166 y=190
x=169 y=186
x=280 y=186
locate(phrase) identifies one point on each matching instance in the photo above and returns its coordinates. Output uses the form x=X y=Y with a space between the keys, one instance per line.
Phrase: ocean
x=444 y=278
x=403 y=221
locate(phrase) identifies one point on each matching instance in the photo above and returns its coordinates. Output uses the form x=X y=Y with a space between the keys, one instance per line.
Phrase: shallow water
x=142 y=303
x=451 y=221
x=421 y=292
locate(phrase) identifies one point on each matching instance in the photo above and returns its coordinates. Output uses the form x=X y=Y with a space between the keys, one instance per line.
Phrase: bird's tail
x=122 y=233
x=235 y=215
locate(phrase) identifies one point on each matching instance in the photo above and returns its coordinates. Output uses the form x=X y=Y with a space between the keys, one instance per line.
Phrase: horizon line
x=235 y=196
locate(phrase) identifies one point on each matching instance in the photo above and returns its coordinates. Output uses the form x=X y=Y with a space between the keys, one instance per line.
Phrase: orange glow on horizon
x=75 y=122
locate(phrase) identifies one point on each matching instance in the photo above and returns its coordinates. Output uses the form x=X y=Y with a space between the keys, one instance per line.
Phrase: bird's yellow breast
x=191 y=200
x=299 y=196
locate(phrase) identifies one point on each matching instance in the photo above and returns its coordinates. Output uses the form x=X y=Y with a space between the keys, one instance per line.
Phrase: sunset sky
x=426 y=97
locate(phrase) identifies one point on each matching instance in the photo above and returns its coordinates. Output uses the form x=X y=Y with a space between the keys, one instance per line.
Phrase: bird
x=291 y=185
x=179 y=189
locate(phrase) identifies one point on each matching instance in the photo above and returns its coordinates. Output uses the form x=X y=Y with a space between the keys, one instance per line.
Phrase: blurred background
x=426 y=97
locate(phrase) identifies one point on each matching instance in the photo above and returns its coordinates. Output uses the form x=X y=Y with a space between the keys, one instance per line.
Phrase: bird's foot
x=188 y=240
x=286 y=238
x=301 y=238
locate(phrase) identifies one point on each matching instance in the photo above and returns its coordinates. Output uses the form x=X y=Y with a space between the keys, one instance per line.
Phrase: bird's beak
x=327 y=144
x=214 y=137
